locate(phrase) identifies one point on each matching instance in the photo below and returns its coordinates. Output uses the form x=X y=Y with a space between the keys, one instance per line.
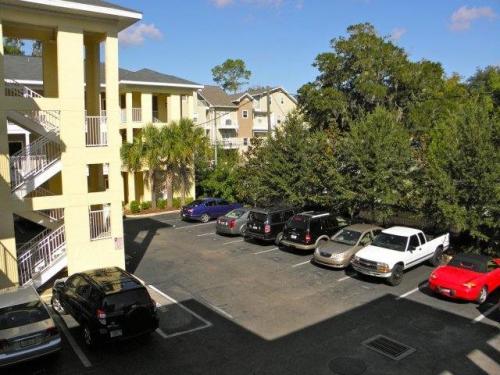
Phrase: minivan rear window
x=257 y=216
x=23 y=314
x=123 y=300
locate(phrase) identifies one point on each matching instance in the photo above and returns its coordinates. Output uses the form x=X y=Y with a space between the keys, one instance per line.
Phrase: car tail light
x=308 y=236
x=267 y=228
x=52 y=331
x=101 y=315
x=232 y=223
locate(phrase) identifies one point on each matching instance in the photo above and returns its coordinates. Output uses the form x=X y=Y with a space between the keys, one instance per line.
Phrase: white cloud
x=462 y=18
x=222 y=3
x=397 y=33
x=136 y=34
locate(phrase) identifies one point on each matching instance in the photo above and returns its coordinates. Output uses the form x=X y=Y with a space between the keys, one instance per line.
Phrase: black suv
x=304 y=231
x=266 y=224
x=109 y=304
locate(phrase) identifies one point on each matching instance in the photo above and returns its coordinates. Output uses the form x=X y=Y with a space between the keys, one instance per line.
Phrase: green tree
x=363 y=72
x=463 y=173
x=487 y=82
x=375 y=158
x=146 y=153
x=231 y=75
x=221 y=180
x=13 y=46
x=293 y=166
x=191 y=143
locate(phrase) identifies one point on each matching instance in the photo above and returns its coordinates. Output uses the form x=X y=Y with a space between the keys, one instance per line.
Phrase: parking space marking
x=404 y=295
x=265 y=251
x=486 y=313
x=301 y=264
x=344 y=278
x=205 y=234
x=165 y=336
x=230 y=242
x=76 y=348
x=194 y=225
x=207 y=323
x=218 y=309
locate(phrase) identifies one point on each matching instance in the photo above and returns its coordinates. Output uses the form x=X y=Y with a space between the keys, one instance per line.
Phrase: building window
x=97 y=177
x=228 y=122
x=245 y=114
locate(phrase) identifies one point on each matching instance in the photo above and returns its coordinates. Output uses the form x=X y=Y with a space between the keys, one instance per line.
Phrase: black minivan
x=266 y=224
x=109 y=304
x=304 y=231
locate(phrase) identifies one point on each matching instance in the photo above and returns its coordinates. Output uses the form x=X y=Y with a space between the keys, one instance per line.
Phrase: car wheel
x=204 y=218
x=483 y=295
x=88 y=336
x=396 y=276
x=437 y=258
x=278 y=239
x=56 y=305
x=243 y=230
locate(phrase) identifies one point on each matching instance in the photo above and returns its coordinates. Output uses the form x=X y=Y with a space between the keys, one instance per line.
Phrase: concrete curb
x=138 y=216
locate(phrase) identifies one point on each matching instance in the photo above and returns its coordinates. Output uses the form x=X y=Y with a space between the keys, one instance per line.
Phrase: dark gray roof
x=217 y=97
x=104 y=4
x=148 y=75
x=30 y=68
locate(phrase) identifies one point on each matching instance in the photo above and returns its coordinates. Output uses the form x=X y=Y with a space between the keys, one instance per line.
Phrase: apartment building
x=242 y=116
x=63 y=169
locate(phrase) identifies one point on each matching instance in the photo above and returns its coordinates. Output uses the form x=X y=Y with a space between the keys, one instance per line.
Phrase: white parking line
x=194 y=225
x=344 y=278
x=301 y=264
x=486 y=313
x=208 y=324
x=230 y=242
x=76 y=348
x=205 y=234
x=404 y=295
x=265 y=251
x=218 y=309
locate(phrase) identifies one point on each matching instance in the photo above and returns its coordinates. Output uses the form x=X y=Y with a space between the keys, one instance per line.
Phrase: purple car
x=207 y=208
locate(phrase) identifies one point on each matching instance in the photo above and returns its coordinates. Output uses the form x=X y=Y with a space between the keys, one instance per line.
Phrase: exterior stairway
x=42 y=258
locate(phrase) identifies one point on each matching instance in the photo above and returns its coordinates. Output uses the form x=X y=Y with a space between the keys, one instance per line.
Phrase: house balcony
x=232 y=143
x=227 y=124
x=96 y=131
x=136 y=114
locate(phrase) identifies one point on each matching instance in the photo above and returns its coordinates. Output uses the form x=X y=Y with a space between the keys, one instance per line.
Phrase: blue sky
x=279 y=39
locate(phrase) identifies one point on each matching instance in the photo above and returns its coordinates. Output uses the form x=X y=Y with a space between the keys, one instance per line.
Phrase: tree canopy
x=231 y=75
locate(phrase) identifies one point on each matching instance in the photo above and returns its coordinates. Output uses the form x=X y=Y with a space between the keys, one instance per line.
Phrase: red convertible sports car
x=467 y=276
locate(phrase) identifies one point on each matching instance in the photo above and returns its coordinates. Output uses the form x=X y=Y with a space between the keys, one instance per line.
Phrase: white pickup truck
x=397 y=249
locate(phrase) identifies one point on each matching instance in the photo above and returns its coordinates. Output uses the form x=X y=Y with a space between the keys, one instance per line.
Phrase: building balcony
x=233 y=143
x=96 y=131
x=227 y=124
x=136 y=114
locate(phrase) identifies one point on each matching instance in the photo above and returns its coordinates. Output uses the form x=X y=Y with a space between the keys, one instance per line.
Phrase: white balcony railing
x=96 y=131
x=123 y=113
x=33 y=159
x=137 y=114
x=100 y=223
x=14 y=88
x=233 y=143
x=228 y=124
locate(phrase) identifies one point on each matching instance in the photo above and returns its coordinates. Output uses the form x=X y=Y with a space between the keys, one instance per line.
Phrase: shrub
x=135 y=207
x=176 y=203
x=161 y=204
x=145 y=205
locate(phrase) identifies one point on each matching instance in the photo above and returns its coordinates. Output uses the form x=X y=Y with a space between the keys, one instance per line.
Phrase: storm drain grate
x=388 y=347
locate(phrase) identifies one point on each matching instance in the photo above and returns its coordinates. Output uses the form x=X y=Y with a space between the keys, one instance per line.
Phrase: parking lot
x=232 y=307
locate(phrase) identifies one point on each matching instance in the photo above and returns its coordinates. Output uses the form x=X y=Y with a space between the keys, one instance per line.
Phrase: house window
x=228 y=122
x=245 y=114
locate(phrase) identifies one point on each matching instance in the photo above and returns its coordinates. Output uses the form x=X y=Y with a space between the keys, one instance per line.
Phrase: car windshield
x=470 y=264
x=390 y=241
x=297 y=222
x=347 y=237
x=195 y=203
x=120 y=301
x=257 y=216
x=234 y=214
x=21 y=315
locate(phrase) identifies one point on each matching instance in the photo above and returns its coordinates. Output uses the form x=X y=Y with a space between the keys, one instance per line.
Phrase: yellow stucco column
x=49 y=53
x=147 y=107
x=174 y=107
x=8 y=258
x=92 y=67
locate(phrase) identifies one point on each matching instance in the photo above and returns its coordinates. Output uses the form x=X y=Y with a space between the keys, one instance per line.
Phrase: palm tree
x=145 y=153
x=190 y=140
